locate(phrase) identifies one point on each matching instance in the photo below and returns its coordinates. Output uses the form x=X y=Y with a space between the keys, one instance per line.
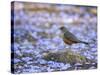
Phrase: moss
x=51 y=56
x=65 y=57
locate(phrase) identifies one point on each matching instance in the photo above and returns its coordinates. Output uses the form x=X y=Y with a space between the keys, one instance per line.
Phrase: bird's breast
x=67 y=41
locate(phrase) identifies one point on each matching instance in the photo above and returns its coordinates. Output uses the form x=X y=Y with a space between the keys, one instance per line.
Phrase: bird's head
x=63 y=29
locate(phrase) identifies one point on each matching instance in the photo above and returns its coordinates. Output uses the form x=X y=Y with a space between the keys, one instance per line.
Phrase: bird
x=69 y=38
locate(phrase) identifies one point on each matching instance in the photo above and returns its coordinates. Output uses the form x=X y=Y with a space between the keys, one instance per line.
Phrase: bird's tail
x=84 y=42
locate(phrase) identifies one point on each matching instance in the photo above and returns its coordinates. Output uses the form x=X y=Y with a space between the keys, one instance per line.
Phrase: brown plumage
x=70 y=38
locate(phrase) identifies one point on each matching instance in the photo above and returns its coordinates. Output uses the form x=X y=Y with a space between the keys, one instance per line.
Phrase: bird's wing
x=71 y=37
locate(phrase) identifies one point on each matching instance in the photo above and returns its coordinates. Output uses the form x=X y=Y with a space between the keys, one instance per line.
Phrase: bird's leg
x=70 y=47
x=79 y=47
x=88 y=47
